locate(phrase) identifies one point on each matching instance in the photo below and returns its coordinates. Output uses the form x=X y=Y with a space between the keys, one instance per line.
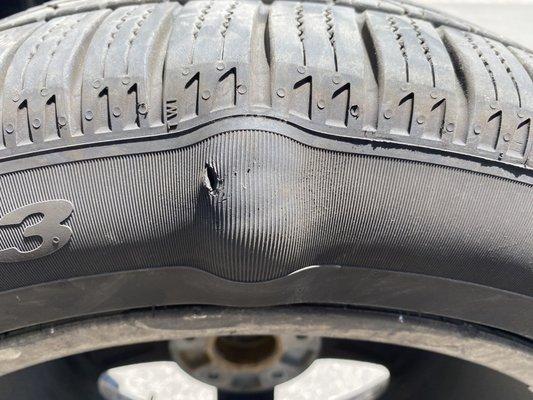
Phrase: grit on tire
x=210 y=152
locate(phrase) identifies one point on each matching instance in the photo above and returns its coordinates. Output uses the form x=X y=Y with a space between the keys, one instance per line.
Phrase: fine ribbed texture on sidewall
x=253 y=206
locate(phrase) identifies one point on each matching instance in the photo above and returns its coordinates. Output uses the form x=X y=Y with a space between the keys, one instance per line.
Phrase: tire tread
x=79 y=73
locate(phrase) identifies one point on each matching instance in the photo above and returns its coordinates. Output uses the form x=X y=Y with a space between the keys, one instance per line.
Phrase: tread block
x=420 y=96
x=10 y=40
x=208 y=64
x=320 y=66
x=41 y=94
x=122 y=79
x=499 y=96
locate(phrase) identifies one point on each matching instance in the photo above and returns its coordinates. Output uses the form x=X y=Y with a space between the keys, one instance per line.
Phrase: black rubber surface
x=359 y=287
x=253 y=205
x=251 y=141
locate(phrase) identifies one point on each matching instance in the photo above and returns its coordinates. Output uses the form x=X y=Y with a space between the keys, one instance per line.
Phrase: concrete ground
x=509 y=18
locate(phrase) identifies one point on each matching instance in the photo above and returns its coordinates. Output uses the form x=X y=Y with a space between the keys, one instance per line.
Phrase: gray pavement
x=509 y=18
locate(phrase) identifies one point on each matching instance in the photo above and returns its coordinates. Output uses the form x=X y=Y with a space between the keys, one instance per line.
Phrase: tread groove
x=133 y=91
x=345 y=90
x=104 y=94
x=195 y=81
x=494 y=126
x=51 y=105
x=23 y=108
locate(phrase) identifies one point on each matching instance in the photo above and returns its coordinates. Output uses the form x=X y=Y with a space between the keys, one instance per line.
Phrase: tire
x=212 y=152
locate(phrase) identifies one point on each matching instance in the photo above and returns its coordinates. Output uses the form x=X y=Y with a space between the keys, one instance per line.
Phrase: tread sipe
x=75 y=73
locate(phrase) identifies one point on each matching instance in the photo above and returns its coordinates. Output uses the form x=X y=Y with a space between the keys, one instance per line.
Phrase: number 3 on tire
x=54 y=235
